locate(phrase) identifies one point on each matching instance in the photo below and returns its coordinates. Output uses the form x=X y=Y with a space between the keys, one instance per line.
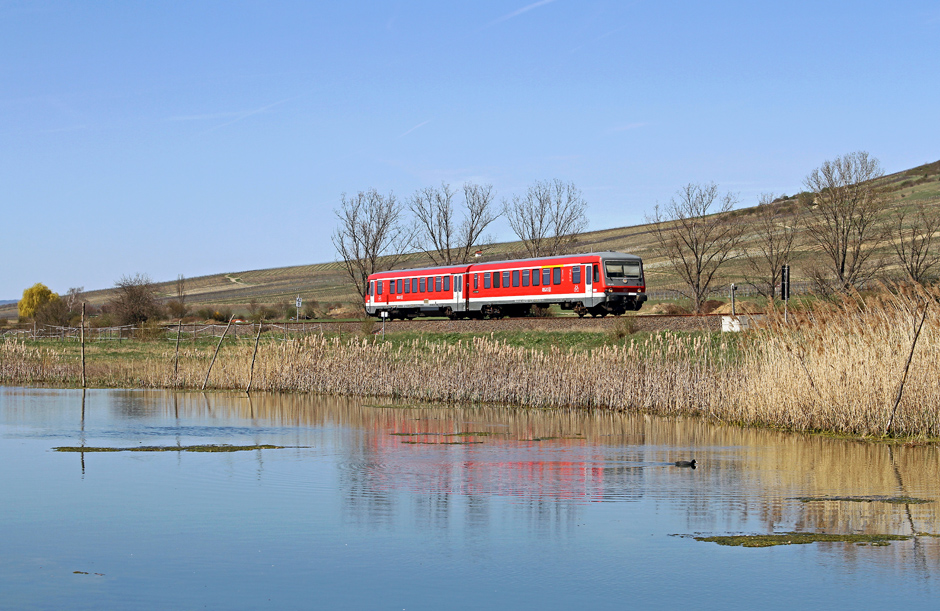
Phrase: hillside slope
x=327 y=283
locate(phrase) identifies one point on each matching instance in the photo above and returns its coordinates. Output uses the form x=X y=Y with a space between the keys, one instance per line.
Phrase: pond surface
x=370 y=505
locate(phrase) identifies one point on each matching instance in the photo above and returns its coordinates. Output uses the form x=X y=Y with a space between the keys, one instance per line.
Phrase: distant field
x=327 y=283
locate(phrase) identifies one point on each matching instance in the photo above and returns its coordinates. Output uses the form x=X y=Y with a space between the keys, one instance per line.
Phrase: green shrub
x=540 y=312
x=625 y=326
x=149 y=331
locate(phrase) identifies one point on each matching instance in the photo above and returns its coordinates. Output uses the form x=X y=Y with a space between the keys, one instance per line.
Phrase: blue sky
x=200 y=137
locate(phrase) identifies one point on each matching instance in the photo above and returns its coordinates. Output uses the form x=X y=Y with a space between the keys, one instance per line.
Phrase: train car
x=428 y=291
x=598 y=284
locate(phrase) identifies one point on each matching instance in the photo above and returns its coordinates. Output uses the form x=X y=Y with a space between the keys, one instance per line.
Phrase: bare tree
x=915 y=243
x=135 y=300
x=548 y=218
x=845 y=220
x=177 y=306
x=54 y=312
x=370 y=236
x=698 y=235
x=772 y=247
x=480 y=213
x=446 y=240
x=74 y=297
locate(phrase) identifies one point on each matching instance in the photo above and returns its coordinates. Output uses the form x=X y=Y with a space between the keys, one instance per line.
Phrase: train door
x=458 y=289
x=588 y=277
x=465 y=297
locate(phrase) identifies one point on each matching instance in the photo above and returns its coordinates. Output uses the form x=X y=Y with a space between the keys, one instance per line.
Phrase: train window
x=422 y=285
x=371 y=287
x=398 y=289
x=407 y=285
x=437 y=284
x=576 y=274
x=446 y=283
x=623 y=269
x=486 y=280
x=546 y=276
x=535 y=277
x=525 y=277
x=587 y=275
x=476 y=281
x=556 y=275
x=506 y=279
x=378 y=287
x=414 y=285
x=495 y=280
x=597 y=273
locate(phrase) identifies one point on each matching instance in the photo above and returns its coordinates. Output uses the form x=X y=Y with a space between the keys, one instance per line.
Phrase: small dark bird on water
x=686 y=463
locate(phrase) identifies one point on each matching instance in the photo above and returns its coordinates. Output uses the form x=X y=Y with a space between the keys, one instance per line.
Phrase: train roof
x=457 y=269
x=463 y=266
x=602 y=255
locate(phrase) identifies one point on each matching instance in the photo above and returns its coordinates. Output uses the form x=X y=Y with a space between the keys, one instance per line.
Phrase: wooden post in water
x=176 y=361
x=217 y=351
x=83 y=351
x=251 y=370
x=907 y=367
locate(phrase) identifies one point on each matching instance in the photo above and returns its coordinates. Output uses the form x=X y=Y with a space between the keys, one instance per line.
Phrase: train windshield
x=622 y=269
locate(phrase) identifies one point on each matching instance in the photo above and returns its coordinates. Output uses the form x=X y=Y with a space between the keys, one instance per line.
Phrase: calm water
x=550 y=510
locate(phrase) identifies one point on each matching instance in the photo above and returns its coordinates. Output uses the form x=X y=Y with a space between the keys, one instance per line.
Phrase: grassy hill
x=327 y=283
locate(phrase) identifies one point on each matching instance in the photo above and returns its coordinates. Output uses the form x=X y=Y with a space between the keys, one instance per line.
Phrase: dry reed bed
x=837 y=368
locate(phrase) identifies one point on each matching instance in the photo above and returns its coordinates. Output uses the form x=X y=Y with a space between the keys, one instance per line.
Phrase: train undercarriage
x=517 y=310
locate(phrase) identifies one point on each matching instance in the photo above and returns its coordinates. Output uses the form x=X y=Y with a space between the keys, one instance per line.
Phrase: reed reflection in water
x=749 y=477
x=457 y=481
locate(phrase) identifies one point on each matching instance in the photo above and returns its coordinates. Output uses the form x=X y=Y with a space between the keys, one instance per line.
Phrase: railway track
x=650 y=322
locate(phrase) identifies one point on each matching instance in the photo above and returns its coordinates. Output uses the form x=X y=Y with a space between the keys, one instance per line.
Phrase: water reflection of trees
x=747 y=481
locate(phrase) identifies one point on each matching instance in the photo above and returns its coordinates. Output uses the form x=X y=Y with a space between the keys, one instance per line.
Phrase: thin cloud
x=627 y=127
x=422 y=124
x=209 y=116
x=250 y=113
x=57 y=130
x=598 y=39
x=517 y=12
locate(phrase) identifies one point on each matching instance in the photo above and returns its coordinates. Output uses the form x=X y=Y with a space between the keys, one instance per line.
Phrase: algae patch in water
x=473 y=434
x=441 y=443
x=199 y=448
x=413 y=434
x=797 y=538
x=894 y=500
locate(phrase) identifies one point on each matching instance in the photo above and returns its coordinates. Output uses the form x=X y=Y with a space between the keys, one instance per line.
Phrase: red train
x=598 y=283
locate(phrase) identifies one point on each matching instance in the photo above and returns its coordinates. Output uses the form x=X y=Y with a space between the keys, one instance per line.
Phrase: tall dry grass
x=835 y=368
x=839 y=367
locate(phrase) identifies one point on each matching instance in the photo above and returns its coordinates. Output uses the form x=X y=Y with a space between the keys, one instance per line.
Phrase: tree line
x=374 y=232
x=841 y=217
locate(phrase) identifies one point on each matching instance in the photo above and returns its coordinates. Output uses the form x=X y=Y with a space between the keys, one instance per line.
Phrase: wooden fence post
x=217 y=352
x=83 y=350
x=176 y=362
x=251 y=370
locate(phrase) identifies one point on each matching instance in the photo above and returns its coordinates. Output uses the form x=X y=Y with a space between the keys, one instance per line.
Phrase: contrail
x=517 y=12
x=414 y=128
x=249 y=113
